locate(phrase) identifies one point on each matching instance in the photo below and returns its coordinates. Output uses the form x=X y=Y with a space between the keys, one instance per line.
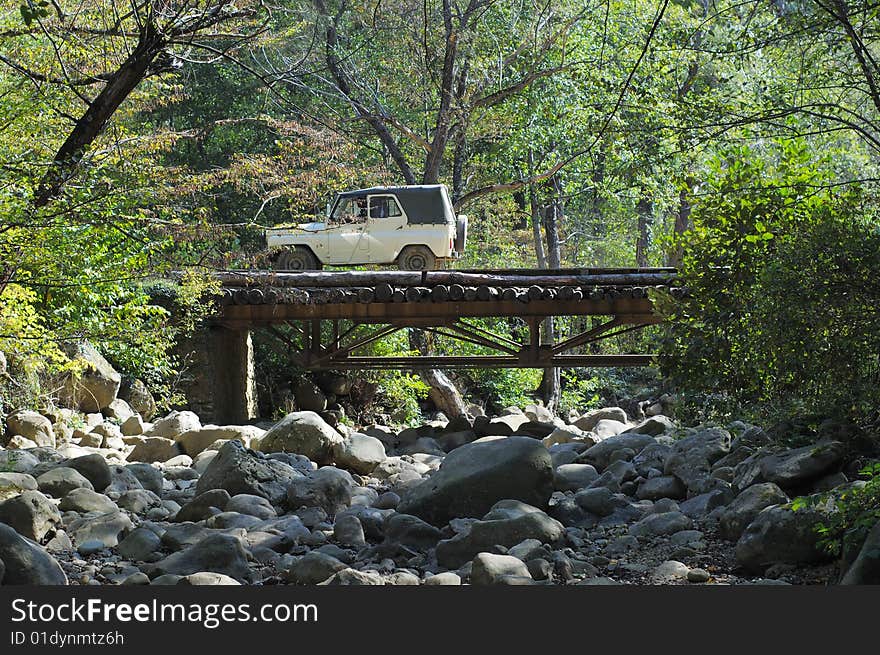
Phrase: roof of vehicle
x=423 y=203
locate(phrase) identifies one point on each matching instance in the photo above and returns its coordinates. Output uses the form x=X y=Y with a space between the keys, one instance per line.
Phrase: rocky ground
x=521 y=498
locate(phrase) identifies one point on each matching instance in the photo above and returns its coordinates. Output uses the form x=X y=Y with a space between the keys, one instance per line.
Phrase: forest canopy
x=737 y=140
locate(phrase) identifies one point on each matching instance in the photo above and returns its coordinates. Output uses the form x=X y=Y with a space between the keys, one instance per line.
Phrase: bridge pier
x=219 y=381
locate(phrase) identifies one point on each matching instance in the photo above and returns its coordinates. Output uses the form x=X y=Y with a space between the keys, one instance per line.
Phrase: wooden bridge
x=334 y=314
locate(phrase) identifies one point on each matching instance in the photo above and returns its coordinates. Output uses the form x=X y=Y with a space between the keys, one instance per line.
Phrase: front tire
x=416 y=258
x=299 y=258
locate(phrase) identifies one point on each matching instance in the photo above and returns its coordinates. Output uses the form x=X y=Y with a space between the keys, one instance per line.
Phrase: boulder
x=353 y=578
x=491 y=569
x=304 y=433
x=746 y=506
x=138 y=501
x=12 y=484
x=17 y=461
x=662 y=486
x=664 y=523
x=96 y=386
x=204 y=505
x=132 y=426
x=32 y=426
x=94 y=468
x=573 y=477
x=691 y=459
x=205 y=578
x=328 y=488
x=411 y=531
x=239 y=470
x=138 y=397
x=107 y=529
x=600 y=454
x=148 y=475
x=482 y=536
x=251 y=506
x=60 y=481
x=655 y=426
x=589 y=420
x=27 y=563
x=118 y=410
x=217 y=553
x=476 y=476
x=793 y=468
x=359 y=453
x=781 y=535
x=30 y=514
x=174 y=425
x=153 y=449
x=866 y=567
x=85 y=501
x=194 y=442
x=139 y=544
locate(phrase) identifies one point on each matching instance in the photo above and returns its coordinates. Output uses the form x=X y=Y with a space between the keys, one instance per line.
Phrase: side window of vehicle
x=384 y=207
x=351 y=210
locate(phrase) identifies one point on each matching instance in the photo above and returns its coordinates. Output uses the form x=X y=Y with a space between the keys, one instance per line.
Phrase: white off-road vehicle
x=414 y=227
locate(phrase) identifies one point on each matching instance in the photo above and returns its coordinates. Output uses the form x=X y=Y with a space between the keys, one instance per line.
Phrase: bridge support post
x=219 y=381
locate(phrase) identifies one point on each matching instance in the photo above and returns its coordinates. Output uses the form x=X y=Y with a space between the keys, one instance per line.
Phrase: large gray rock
x=304 y=433
x=217 y=553
x=94 y=468
x=780 y=535
x=691 y=459
x=107 y=529
x=139 y=544
x=655 y=426
x=793 y=468
x=359 y=453
x=491 y=569
x=664 y=523
x=328 y=488
x=204 y=505
x=353 y=578
x=312 y=568
x=30 y=514
x=32 y=426
x=745 y=507
x=600 y=454
x=25 y=562
x=60 y=481
x=572 y=477
x=195 y=441
x=148 y=475
x=411 y=531
x=174 y=424
x=17 y=461
x=241 y=471
x=12 y=484
x=523 y=523
x=866 y=567
x=476 y=476
x=251 y=505
x=139 y=398
x=96 y=386
x=589 y=420
x=85 y=501
x=153 y=449
x=662 y=486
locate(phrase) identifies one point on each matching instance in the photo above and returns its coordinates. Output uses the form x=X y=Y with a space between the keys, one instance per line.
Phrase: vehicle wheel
x=299 y=258
x=416 y=258
x=461 y=227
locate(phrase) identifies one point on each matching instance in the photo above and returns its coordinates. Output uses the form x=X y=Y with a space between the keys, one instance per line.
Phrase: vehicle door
x=386 y=228
x=346 y=232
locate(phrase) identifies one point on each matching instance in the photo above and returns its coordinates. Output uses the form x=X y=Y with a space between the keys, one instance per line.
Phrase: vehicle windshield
x=350 y=210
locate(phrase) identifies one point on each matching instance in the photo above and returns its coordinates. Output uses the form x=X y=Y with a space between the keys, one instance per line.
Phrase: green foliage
x=782 y=320
x=858 y=511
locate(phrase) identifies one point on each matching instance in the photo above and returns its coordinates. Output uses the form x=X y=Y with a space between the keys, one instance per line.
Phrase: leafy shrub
x=858 y=512
x=781 y=267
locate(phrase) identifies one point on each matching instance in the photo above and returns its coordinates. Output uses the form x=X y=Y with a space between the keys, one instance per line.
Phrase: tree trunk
x=682 y=223
x=644 y=210
x=550 y=382
x=100 y=110
x=442 y=393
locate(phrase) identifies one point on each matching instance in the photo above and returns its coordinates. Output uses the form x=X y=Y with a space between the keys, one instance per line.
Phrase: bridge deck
x=440 y=301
